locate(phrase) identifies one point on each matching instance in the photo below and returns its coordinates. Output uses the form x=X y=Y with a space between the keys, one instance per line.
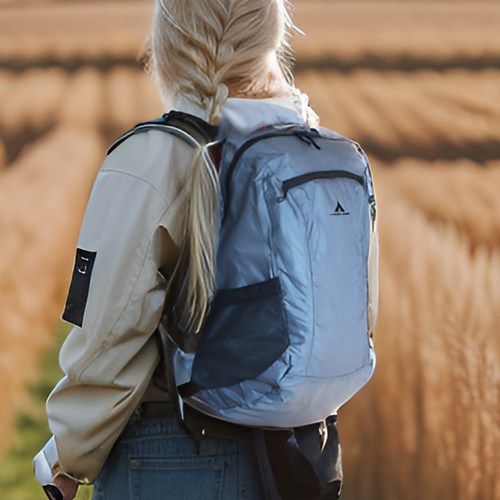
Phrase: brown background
x=418 y=85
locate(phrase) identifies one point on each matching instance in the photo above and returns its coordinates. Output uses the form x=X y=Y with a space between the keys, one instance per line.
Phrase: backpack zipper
x=311 y=176
x=288 y=132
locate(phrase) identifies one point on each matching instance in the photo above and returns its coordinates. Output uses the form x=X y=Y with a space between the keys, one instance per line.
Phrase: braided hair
x=206 y=50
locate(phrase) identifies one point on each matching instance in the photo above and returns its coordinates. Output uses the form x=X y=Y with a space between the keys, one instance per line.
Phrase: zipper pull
x=307 y=138
x=373 y=210
x=314 y=143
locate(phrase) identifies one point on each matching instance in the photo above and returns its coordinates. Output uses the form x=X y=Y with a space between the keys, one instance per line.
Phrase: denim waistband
x=152 y=418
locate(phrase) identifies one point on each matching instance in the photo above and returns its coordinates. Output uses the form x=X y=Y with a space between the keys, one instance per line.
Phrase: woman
x=110 y=414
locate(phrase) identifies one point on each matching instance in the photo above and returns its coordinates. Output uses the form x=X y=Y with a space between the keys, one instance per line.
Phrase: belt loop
x=136 y=416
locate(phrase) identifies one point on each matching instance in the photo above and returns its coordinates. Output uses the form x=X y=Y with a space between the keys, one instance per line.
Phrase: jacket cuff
x=46 y=465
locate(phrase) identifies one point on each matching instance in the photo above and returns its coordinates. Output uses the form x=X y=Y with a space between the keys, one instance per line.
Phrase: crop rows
x=428 y=425
x=63 y=30
x=439 y=235
x=342 y=33
x=461 y=194
x=425 y=31
x=40 y=97
x=42 y=197
x=426 y=115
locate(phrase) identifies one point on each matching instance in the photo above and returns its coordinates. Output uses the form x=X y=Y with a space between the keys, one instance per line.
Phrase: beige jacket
x=132 y=223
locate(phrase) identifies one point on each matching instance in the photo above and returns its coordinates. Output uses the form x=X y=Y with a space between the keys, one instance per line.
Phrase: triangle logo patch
x=339 y=210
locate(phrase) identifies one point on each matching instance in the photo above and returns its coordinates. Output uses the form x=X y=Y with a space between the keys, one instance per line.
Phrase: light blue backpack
x=286 y=341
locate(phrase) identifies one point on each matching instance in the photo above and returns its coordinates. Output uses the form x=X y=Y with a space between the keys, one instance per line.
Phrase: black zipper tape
x=312 y=176
x=282 y=132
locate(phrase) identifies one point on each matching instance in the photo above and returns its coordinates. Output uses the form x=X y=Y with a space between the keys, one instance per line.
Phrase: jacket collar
x=249 y=114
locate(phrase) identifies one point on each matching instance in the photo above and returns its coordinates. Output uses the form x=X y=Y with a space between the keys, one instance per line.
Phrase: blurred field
x=424 y=114
x=418 y=85
x=371 y=31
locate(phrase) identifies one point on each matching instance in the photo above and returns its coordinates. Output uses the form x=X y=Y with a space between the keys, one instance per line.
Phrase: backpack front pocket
x=321 y=235
x=243 y=336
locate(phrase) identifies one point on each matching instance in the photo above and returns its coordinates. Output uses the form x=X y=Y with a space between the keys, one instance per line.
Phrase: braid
x=200 y=45
x=205 y=50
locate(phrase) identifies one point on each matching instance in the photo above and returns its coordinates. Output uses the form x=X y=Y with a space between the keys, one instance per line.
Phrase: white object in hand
x=44 y=461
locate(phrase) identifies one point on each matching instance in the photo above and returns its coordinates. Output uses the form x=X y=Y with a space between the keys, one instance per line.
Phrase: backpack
x=286 y=340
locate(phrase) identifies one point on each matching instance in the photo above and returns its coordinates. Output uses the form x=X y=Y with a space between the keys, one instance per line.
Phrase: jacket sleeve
x=116 y=298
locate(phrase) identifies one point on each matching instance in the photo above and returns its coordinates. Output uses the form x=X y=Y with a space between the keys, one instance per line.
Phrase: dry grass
x=349 y=30
x=29 y=101
x=6 y=81
x=343 y=30
x=83 y=104
x=427 y=425
x=400 y=113
x=42 y=197
x=460 y=193
x=122 y=97
x=423 y=110
x=63 y=30
x=394 y=114
x=43 y=194
x=39 y=98
x=131 y=98
x=2 y=156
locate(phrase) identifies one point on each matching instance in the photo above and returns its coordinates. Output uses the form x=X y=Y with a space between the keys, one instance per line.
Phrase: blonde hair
x=206 y=50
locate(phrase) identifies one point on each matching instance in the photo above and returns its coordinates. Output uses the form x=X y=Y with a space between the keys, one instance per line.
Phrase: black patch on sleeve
x=79 y=288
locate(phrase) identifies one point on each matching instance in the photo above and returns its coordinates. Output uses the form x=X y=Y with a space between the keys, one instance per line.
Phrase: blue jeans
x=155 y=459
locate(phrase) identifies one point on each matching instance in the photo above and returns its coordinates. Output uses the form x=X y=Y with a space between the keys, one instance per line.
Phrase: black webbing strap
x=189 y=389
x=168 y=359
x=301 y=463
x=269 y=487
x=201 y=131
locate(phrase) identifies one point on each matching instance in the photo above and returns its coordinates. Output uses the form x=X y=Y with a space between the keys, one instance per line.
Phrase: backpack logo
x=339 y=210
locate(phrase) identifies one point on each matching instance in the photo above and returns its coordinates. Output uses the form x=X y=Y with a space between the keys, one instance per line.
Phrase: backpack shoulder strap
x=190 y=128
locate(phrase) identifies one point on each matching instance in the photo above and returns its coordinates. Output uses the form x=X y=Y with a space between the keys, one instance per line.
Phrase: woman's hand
x=68 y=486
